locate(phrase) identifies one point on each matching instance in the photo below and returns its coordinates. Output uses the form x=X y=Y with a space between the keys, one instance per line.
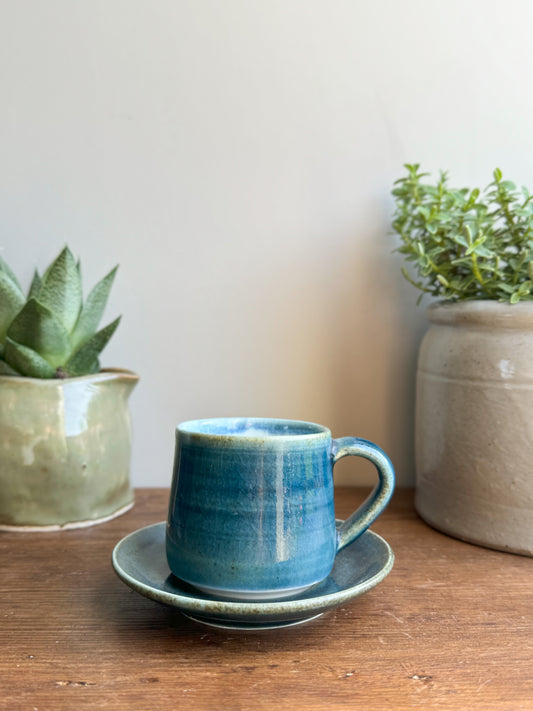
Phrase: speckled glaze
x=64 y=450
x=251 y=512
x=474 y=431
x=139 y=560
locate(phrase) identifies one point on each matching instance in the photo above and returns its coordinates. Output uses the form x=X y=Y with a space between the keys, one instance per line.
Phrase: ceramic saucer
x=140 y=561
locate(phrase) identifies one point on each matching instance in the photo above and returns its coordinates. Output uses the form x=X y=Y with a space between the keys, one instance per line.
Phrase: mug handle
x=371 y=508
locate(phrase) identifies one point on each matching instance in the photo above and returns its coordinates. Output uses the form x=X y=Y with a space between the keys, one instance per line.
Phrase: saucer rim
x=199 y=603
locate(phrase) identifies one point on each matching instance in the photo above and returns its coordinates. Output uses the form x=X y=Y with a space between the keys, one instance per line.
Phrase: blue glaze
x=251 y=506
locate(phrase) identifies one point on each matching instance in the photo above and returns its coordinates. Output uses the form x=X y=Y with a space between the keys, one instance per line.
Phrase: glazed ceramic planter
x=64 y=450
x=474 y=424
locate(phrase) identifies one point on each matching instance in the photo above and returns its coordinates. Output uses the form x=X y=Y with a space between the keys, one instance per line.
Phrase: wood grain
x=450 y=628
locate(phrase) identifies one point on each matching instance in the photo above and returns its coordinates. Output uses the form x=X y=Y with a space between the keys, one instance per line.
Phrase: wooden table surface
x=450 y=628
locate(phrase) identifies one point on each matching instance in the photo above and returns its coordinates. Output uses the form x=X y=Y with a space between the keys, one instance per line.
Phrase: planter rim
x=482 y=313
x=104 y=374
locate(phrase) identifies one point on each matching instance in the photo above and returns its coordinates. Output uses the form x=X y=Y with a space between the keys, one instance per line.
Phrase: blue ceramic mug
x=251 y=513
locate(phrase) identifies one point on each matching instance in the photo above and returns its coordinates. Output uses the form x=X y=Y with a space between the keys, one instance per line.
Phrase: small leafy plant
x=465 y=243
x=52 y=333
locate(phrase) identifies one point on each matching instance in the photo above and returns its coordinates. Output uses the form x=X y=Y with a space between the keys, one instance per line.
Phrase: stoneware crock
x=64 y=450
x=474 y=423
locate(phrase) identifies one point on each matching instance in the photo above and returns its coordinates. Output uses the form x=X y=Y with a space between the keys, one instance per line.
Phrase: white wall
x=235 y=157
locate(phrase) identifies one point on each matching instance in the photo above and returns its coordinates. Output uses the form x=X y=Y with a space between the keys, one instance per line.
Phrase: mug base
x=253 y=595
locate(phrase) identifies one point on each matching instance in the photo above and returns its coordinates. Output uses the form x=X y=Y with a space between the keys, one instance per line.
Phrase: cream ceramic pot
x=474 y=423
x=64 y=450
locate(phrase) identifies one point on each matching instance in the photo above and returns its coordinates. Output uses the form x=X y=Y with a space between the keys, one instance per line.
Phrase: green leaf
x=460 y=240
x=61 y=289
x=11 y=302
x=508 y=185
x=26 y=361
x=515 y=298
x=6 y=369
x=506 y=287
x=35 y=286
x=438 y=224
x=37 y=328
x=484 y=252
x=93 y=310
x=83 y=360
x=6 y=269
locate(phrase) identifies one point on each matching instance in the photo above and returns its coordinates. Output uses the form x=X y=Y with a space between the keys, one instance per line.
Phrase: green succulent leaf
x=35 y=286
x=11 y=302
x=52 y=333
x=6 y=369
x=84 y=359
x=93 y=309
x=26 y=361
x=61 y=290
x=6 y=269
x=37 y=328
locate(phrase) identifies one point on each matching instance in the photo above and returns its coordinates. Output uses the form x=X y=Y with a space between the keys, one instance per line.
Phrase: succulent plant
x=52 y=333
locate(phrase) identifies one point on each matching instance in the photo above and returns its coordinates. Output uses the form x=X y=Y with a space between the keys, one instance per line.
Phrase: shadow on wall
x=374 y=343
x=337 y=345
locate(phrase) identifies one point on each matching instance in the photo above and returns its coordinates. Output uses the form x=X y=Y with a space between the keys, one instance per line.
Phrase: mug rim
x=193 y=428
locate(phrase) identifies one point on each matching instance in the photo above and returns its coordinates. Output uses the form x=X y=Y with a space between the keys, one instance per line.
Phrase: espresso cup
x=251 y=511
